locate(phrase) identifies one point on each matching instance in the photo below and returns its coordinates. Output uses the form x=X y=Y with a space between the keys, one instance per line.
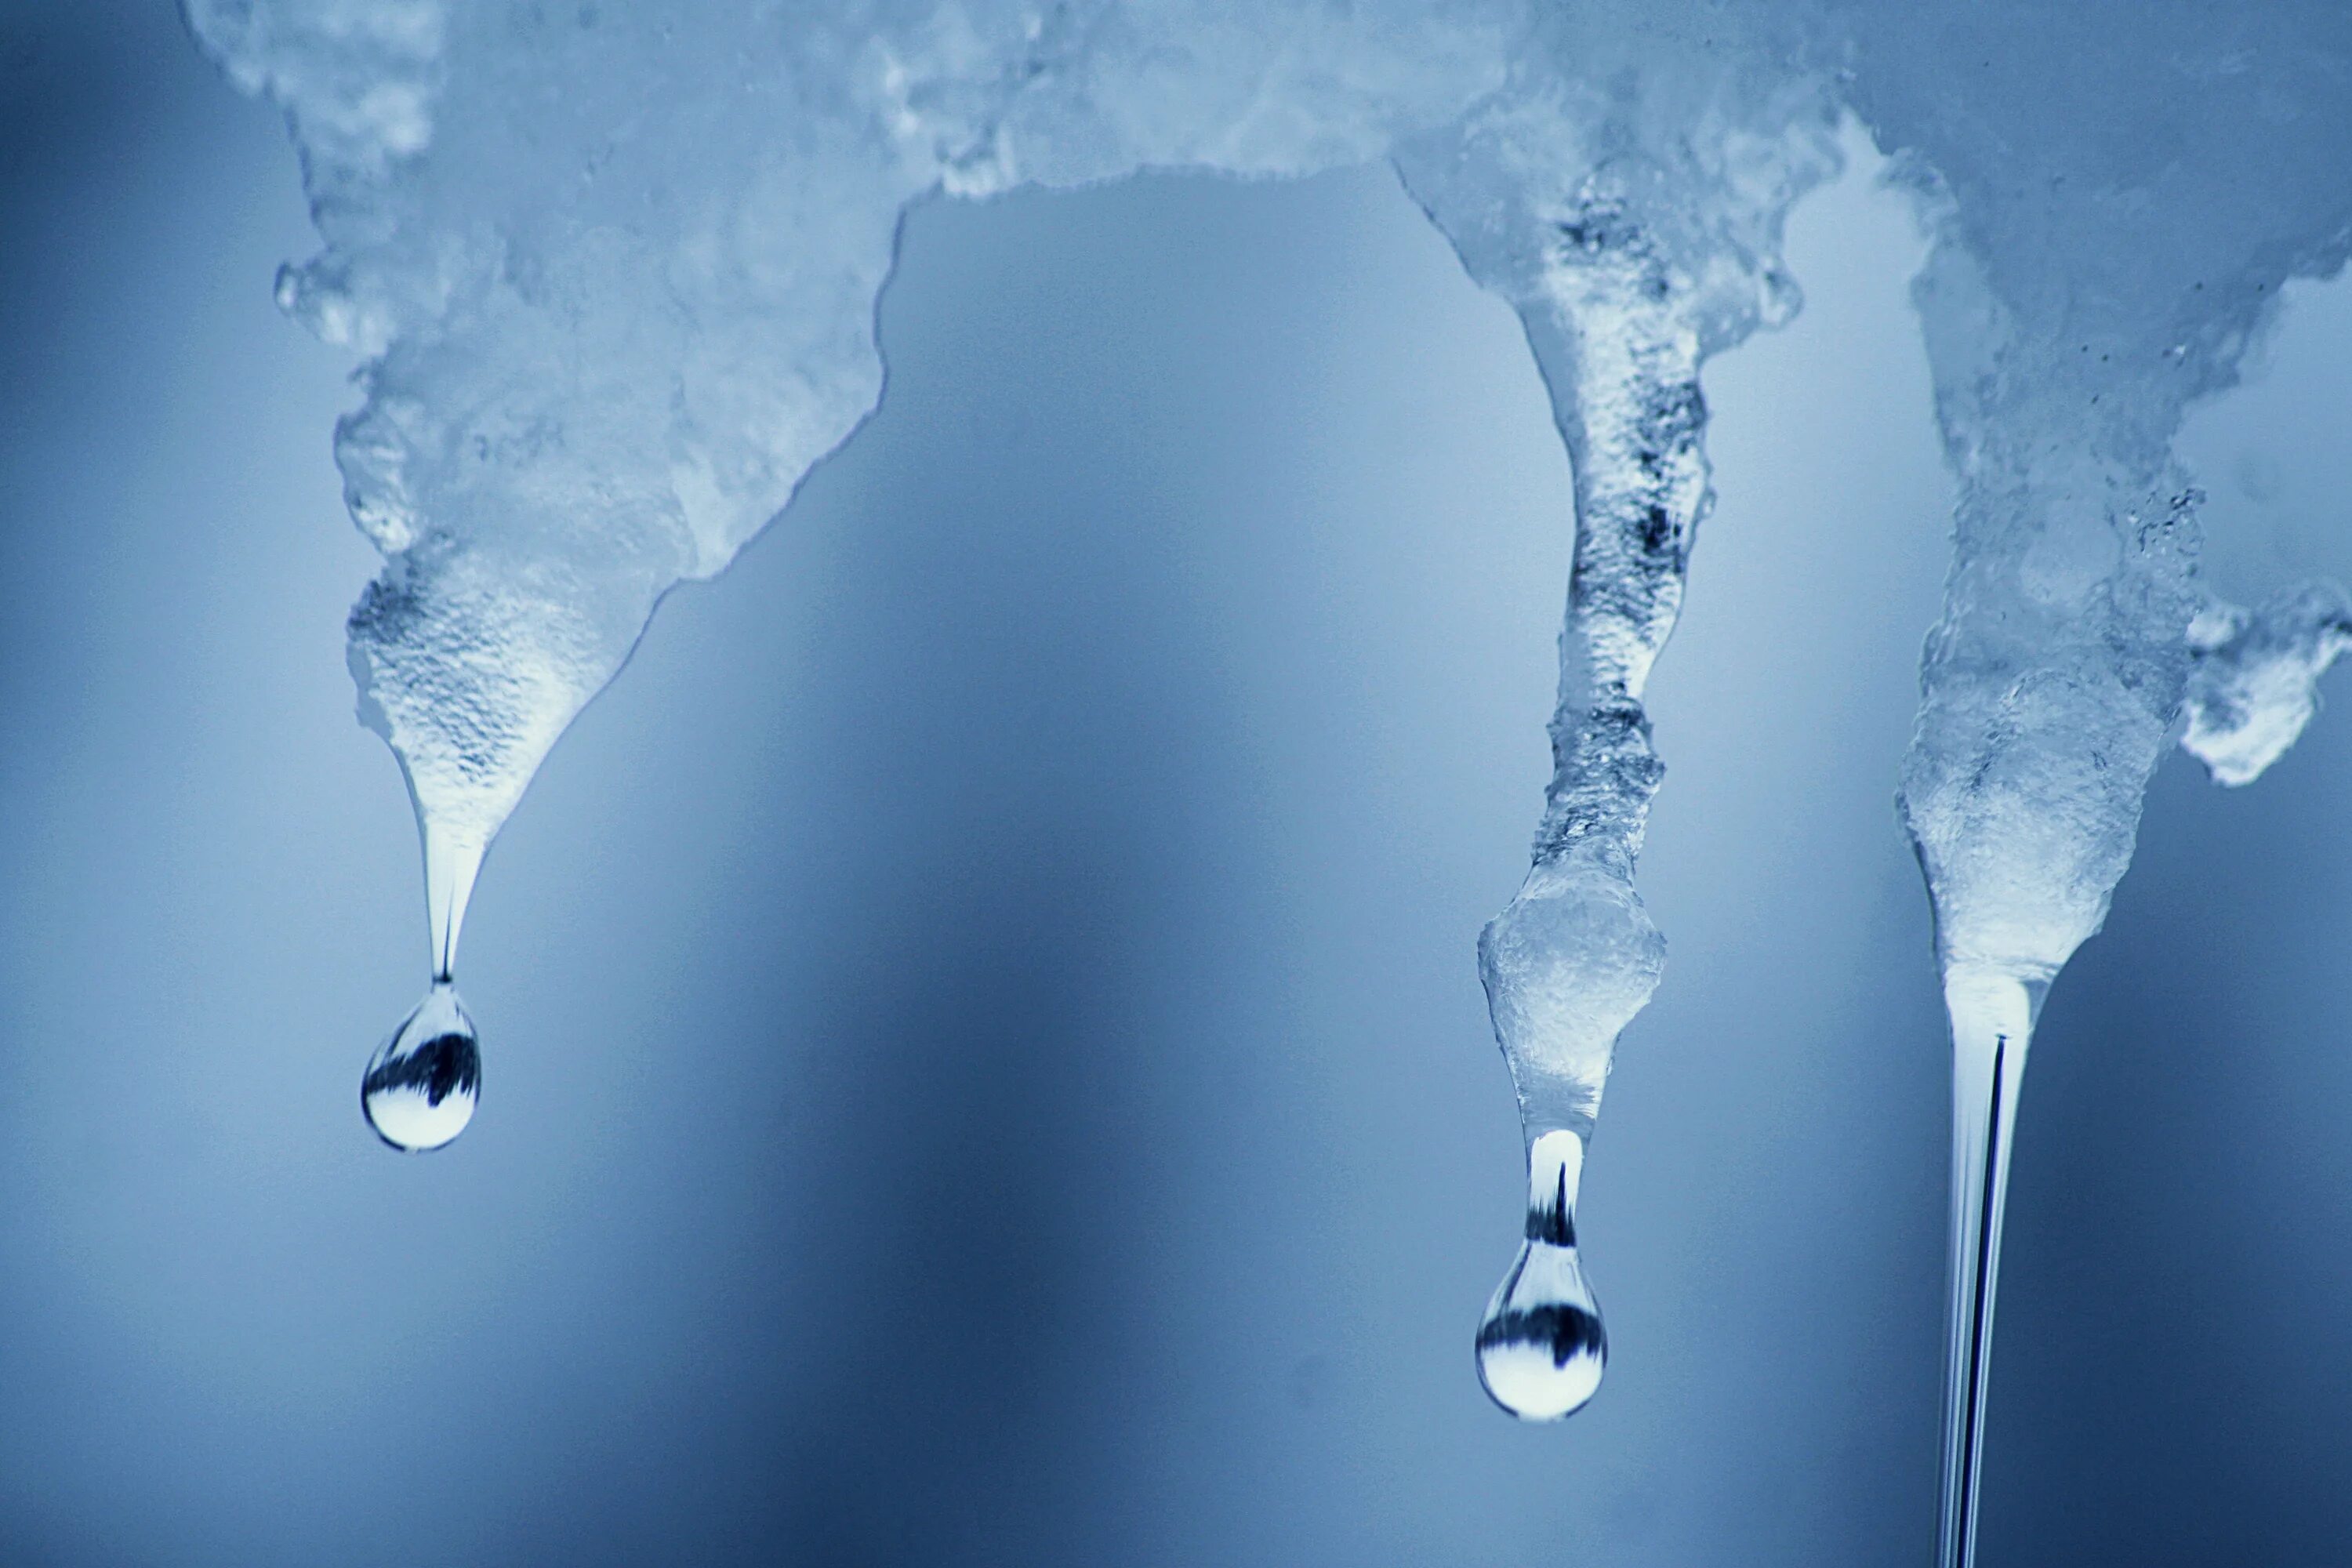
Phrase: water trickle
x=1992 y=1024
x=421 y=1084
x=1542 y=1348
x=420 y=1087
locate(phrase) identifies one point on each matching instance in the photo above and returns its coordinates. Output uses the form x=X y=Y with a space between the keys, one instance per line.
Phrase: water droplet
x=422 y=1083
x=1542 y=1348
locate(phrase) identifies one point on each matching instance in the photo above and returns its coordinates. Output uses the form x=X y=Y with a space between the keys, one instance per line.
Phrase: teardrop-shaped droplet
x=1542 y=1348
x=422 y=1083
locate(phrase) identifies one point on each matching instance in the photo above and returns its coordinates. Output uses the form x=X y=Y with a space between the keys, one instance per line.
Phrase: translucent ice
x=612 y=270
x=2115 y=200
x=1631 y=248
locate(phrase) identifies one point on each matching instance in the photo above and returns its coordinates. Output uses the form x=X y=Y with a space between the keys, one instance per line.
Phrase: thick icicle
x=2084 y=287
x=2048 y=688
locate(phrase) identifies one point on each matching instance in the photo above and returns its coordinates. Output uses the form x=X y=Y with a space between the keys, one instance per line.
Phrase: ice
x=611 y=272
x=2253 y=677
x=2116 y=199
x=612 y=269
x=2089 y=281
x=1636 y=231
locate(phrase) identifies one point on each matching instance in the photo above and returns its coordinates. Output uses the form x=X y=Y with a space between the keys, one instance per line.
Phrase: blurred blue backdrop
x=983 y=1058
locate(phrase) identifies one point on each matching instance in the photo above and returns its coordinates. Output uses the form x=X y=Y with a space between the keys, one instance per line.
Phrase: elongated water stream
x=1992 y=1025
x=421 y=1086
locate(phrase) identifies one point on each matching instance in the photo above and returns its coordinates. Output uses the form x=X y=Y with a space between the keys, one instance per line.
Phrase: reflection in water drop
x=422 y=1083
x=1542 y=1348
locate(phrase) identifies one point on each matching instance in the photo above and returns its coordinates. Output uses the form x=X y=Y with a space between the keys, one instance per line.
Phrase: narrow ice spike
x=1992 y=1025
x=452 y=862
x=1622 y=303
x=2049 y=688
x=1574 y=957
x=1616 y=327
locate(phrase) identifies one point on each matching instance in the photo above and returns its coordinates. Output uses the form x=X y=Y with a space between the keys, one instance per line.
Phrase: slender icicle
x=1992 y=1025
x=1574 y=957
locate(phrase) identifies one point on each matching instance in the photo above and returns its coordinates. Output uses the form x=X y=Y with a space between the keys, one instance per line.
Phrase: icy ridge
x=612 y=270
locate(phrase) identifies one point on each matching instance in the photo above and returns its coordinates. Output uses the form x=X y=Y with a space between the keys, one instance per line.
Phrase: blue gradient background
x=984 y=1062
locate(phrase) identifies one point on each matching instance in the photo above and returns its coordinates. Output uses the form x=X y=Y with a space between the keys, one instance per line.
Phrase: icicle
x=2047 y=688
x=1575 y=956
x=1627 y=273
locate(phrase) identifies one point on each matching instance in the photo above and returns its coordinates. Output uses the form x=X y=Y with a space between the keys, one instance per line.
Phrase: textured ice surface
x=2116 y=190
x=2115 y=200
x=613 y=270
x=1625 y=191
x=2253 y=677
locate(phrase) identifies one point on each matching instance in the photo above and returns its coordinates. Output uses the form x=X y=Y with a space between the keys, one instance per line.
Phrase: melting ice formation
x=612 y=270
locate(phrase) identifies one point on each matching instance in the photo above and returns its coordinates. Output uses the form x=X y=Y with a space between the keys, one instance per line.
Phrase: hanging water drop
x=420 y=1087
x=421 y=1084
x=1542 y=1348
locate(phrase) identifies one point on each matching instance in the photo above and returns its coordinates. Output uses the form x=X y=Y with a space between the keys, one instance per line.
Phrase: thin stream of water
x=1992 y=1025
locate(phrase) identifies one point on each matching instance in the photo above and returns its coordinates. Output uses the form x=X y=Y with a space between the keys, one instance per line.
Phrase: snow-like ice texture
x=1625 y=191
x=2253 y=677
x=613 y=268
